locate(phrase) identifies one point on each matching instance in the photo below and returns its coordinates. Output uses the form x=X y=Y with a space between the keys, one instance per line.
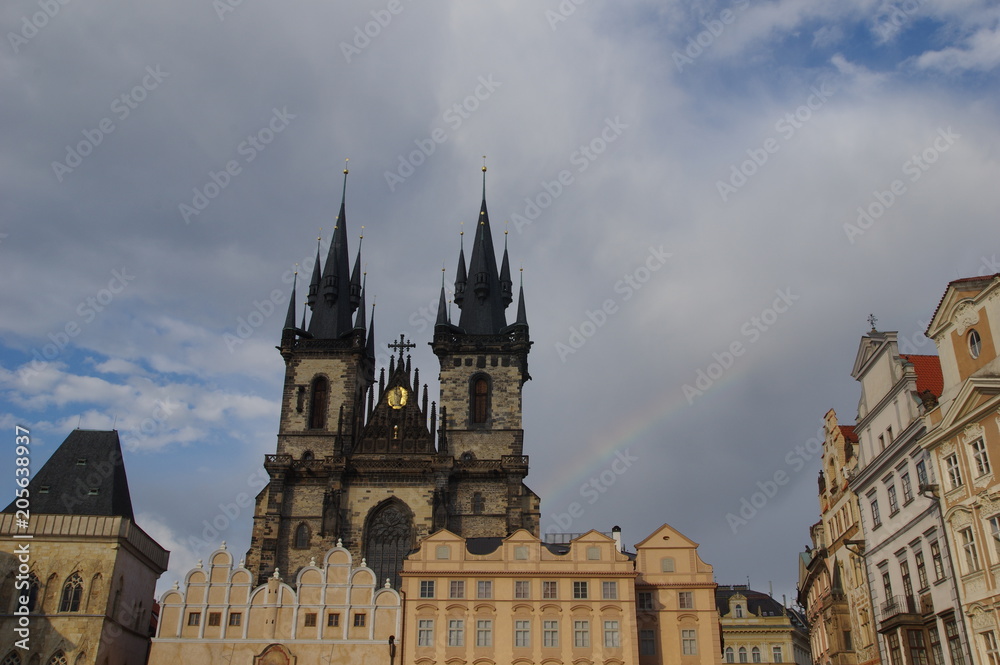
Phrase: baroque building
x=907 y=557
x=963 y=439
x=367 y=462
x=79 y=579
x=758 y=629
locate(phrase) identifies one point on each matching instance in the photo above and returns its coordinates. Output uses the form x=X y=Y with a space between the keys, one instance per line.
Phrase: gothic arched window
x=480 y=400
x=11 y=659
x=33 y=585
x=388 y=538
x=302 y=536
x=58 y=658
x=318 y=402
x=71 y=594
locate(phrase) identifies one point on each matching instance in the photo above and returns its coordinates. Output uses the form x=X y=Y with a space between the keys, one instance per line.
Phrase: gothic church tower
x=366 y=462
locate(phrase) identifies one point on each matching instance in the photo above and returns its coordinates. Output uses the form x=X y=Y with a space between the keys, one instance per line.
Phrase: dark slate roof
x=484 y=545
x=483 y=312
x=757 y=601
x=84 y=476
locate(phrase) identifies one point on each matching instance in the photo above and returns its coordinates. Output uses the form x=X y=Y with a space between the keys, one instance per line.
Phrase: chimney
x=616 y=533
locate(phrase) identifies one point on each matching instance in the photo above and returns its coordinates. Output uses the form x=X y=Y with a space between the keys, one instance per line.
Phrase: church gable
x=397 y=424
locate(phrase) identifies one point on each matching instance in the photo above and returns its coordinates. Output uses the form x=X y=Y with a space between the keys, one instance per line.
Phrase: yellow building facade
x=758 y=629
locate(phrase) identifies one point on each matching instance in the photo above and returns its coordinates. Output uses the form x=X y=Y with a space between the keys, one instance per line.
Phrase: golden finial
x=506 y=223
x=345 y=164
x=484 y=163
x=461 y=228
x=362 y=232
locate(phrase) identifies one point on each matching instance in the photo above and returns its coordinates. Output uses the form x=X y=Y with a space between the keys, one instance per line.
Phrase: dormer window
x=975 y=343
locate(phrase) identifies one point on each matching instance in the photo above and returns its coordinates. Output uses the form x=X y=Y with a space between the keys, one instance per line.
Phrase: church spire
x=314 y=282
x=461 y=277
x=332 y=313
x=290 y=316
x=356 y=286
x=505 y=282
x=484 y=313
x=522 y=316
x=442 y=317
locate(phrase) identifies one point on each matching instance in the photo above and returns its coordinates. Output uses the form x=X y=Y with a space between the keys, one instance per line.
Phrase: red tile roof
x=848 y=432
x=928 y=373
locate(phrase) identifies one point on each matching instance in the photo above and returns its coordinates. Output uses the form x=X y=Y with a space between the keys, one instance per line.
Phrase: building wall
x=295 y=623
x=118 y=565
x=750 y=637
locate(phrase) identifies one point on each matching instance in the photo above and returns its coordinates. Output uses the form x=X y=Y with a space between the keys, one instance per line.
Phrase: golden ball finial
x=345 y=164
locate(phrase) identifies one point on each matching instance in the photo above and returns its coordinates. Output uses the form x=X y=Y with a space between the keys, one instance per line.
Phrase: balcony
x=899 y=611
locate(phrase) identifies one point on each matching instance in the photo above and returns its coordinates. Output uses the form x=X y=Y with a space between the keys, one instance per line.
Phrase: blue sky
x=163 y=97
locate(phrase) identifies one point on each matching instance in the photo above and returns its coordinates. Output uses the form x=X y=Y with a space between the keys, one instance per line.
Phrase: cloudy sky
x=708 y=199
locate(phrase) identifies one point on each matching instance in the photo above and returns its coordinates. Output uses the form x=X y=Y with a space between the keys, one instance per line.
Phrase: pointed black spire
x=332 y=313
x=442 y=317
x=461 y=277
x=483 y=314
x=505 y=282
x=522 y=317
x=370 y=345
x=356 y=285
x=290 y=316
x=314 y=282
x=359 y=322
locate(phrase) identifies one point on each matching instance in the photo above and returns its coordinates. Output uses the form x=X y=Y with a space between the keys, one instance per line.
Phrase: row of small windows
x=905 y=484
x=308 y=619
x=610 y=635
x=522 y=589
x=980 y=464
x=319 y=400
x=70 y=598
x=754 y=655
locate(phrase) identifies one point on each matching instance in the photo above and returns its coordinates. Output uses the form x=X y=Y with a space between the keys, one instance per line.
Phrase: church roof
x=84 y=476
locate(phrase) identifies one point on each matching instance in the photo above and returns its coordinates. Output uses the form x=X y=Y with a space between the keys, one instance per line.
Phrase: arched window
x=318 y=403
x=58 y=658
x=302 y=536
x=480 y=400
x=307 y=456
x=95 y=597
x=51 y=591
x=739 y=611
x=71 y=594
x=743 y=654
x=33 y=586
x=755 y=654
x=478 y=503
x=388 y=538
x=730 y=656
x=11 y=659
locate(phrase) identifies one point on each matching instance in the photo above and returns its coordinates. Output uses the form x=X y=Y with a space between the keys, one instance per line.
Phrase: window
x=755 y=654
x=478 y=503
x=904 y=570
x=904 y=480
x=389 y=538
x=581 y=634
x=936 y=560
x=918 y=650
x=995 y=531
x=895 y=655
x=609 y=590
x=969 y=547
x=333 y=619
x=975 y=343
x=881 y=442
x=644 y=599
x=876 y=519
x=918 y=556
x=318 y=403
x=954 y=473
x=743 y=654
x=689 y=643
x=647 y=642
x=893 y=501
x=888 y=433
x=480 y=400
x=921 y=473
x=302 y=537
x=593 y=554
x=685 y=600
x=612 y=635
x=521 y=553
x=550 y=590
x=215 y=619
x=426 y=588
x=776 y=654
x=848 y=642
x=442 y=552
x=236 y=619
x=33 y=586
x=522 y=633
x=425 y=632
x=456 y=589
x=937 y=655
x=550 y=634
x=580 y=590
x=666 y=565
x=310 y=621
x=58 y=658
x=522 y=589
x=730 y=655
x=484 y=633
x=72 y=591
x=456 y=633
x=954 y=642
x=194 y=618
x=979 y=455
x=887 y=584
x=738 y=612
x=484 y=589
x=359 y=620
